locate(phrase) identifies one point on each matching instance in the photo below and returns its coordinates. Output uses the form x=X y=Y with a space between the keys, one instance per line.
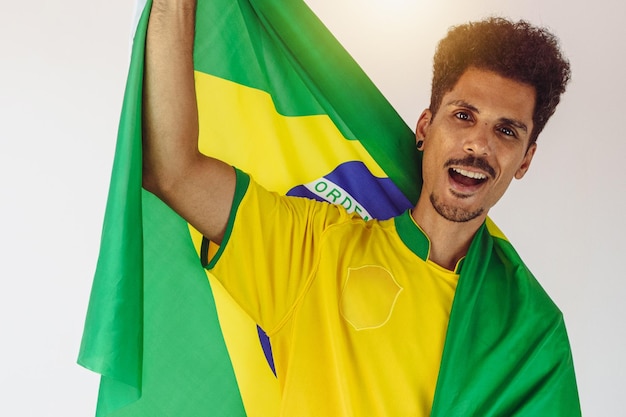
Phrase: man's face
x=476 y=143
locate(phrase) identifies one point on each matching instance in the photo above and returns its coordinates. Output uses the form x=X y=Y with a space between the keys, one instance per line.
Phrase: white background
x=63 y=69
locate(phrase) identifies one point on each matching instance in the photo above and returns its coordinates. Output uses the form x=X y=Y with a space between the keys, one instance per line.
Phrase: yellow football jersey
x=355 y=311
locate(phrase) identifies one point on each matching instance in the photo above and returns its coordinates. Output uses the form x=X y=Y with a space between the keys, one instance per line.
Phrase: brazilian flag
x=279 y=98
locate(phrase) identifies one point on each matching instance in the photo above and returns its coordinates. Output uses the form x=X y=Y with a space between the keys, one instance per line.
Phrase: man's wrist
x=174 y=5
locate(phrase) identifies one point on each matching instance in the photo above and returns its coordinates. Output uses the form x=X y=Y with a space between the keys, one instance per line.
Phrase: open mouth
x=467 y=178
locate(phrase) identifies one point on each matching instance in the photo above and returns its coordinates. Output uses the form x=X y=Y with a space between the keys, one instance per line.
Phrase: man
x=358 y=311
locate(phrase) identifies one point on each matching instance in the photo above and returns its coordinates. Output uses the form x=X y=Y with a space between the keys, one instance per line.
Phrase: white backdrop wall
x=63 y=69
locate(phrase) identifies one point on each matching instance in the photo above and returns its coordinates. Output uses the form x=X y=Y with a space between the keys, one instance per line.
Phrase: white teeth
x=470 y=174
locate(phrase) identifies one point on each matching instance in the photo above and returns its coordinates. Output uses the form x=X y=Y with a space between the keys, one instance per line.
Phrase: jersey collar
x=416 y=239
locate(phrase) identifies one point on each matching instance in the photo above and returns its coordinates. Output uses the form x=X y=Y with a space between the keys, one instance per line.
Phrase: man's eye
x=462 y=115
x=508 y=132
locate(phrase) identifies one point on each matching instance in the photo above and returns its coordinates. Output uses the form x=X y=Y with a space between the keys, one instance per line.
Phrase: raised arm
x=199 y=188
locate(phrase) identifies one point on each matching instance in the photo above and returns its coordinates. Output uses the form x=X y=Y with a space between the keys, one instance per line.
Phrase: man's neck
x=449 y=241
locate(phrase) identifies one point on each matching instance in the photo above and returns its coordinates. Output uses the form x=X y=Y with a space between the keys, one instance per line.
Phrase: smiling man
x=358 y=311
x=475 y=143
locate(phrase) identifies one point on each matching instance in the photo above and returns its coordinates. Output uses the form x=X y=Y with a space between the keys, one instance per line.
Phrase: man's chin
x=454 y=213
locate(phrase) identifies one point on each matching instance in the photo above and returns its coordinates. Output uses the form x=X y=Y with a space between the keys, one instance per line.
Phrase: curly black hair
x=515 y=50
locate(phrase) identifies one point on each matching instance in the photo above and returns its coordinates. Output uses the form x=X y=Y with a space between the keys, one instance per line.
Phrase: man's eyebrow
x=462 y=103
x=515 y=123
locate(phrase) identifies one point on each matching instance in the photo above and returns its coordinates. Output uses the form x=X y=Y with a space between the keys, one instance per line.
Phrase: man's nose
x=478 y=143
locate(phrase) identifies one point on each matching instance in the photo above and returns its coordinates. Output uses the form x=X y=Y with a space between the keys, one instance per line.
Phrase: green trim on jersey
x=412 y=235
x=241 y=185
x=416 y=239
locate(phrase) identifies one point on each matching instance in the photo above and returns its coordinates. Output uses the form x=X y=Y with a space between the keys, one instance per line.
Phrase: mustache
x=472 y=162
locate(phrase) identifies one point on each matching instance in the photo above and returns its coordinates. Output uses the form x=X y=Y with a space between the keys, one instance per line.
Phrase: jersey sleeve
x=270 y=249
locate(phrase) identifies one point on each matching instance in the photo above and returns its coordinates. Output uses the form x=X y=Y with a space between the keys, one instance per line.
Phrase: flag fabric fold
x=507 y=352
x=112 y=343
x=281 y=99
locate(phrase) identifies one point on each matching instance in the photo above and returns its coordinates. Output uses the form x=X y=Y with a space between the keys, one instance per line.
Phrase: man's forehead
x=480 y=90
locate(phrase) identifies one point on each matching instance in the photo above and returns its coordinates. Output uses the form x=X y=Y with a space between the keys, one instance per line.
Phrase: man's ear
x=523 y=168
x=423 y=123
